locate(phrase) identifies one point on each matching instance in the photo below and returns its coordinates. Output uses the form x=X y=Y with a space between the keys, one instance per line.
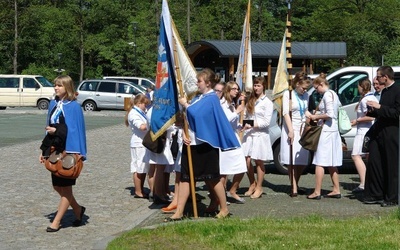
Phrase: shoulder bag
x=343 y=121
x=64 y=165
x=156 y=146
x=310 y=134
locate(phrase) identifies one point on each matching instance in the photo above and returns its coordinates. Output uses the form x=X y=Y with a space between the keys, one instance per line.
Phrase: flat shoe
x=293 y=195
x=168 y=209
x=140 y=197
x=334 y=196
x=317 y=197
x=52 y=230
x=358 y=190
x=256 y=195
x=249 y=193
x=389 y=204
x=78 y=222
x=169 y=219
x=222 y=216
x=239 y=201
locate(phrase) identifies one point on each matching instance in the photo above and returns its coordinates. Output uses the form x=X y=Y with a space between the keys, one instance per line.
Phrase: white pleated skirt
x=329 y=152
x=137 y=163
x=357 y=145
x=258 y=147
x=300 y=155
x=232 y=162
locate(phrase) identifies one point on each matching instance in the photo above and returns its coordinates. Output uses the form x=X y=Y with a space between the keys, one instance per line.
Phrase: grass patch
x=311 y=232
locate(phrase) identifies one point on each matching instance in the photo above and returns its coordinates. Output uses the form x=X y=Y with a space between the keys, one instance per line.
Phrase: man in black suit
x=381 y=184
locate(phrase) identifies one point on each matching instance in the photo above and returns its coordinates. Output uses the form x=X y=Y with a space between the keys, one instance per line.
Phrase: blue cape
x=209 y=123
x=76 y=134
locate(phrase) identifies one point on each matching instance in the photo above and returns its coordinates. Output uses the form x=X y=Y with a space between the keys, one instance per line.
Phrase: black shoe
x=388 y=204
x=335 y=196
x=357 y=190
x=158 y=200
x=77 y=222
x=371 y=201
x=318 y=197
x=52 y=230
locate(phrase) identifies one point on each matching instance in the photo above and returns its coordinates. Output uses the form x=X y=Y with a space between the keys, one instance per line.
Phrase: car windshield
x=44 y=82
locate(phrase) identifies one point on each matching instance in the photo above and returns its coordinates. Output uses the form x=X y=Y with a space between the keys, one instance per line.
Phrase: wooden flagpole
x=289 y=69
x=244 y=74
x=185 y=126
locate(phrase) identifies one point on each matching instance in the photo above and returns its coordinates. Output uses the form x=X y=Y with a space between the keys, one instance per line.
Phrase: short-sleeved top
x=299 y=107
x=363 y=127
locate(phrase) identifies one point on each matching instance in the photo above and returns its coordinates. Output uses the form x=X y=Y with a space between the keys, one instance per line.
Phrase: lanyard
x=302 y=105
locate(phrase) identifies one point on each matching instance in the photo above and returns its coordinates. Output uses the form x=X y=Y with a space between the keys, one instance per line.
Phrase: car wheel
x=2 y=108
x=43 y=104
x=89 y=106
x=277 y=158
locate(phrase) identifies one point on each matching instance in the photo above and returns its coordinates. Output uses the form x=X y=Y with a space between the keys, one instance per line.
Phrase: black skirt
x=205 y=160
x=62 y=182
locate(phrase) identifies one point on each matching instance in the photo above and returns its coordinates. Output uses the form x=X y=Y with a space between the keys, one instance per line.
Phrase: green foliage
x=102 y=29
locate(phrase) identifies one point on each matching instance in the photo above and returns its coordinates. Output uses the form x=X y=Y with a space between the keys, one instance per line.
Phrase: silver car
x=105 y=94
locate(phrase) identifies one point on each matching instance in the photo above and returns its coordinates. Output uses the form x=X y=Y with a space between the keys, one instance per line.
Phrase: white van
x=141 y=81
x=25 y=91
x=344 y=82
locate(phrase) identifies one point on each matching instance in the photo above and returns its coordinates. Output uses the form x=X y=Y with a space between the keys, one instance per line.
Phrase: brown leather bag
x=64 y=165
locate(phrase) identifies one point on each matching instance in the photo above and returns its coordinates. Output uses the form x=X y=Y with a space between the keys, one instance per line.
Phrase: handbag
x=156 y=146
x=64 y=165
x=343 y=121
x=310 y=133
x=310 y=137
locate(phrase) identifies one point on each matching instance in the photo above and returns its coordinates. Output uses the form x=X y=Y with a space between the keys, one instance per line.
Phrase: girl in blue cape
x=64 y=111
x=209 y=131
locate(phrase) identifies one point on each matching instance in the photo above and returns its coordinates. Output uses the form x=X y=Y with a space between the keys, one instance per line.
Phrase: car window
x=397 y=77
x=44 y=82
x=89 y=86
x=124 y=88
x=108 y=87
x=346 y=86
x=146 y=83
x=29 y=83
x=9 y=82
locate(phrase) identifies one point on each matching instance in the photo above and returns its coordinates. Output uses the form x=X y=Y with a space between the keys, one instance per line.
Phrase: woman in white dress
x=232 y=162
x=329 y=151
x=363 y=124
x=291 y=130
x=137 y=120
x=256 y=142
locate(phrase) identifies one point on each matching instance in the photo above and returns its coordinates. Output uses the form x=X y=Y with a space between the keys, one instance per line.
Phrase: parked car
x=141 y=81
x=105 y=94
x=344 y=82
x=25 y=91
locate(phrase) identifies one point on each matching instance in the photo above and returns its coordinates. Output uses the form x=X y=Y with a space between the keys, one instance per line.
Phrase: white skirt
x=329 y=152
x=164 y=158
x=232 y=162
x=137 y=163
x=357 y=145
x=300 y=155
x=258 y=147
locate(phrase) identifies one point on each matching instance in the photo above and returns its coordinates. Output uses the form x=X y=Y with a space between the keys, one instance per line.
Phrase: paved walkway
x=104 y=188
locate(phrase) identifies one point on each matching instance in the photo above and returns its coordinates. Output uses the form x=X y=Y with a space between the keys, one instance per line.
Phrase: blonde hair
x=227 y=92
x=365 y=85
x=68 y=84
x=321 y=79
x=139 y=98
x=209 y=76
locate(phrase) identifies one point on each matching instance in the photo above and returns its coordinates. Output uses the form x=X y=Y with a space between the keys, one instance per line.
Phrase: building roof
x=300 y=50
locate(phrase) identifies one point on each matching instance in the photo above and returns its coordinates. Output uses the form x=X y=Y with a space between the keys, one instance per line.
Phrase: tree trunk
x=15 y=56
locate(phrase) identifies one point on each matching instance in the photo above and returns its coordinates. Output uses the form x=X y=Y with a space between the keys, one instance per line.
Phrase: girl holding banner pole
x=291 y=130
x=209 y=131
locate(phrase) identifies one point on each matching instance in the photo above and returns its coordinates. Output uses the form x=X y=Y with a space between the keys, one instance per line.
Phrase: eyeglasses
x=234 y=89
x=377 y=77
x=217 y=90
